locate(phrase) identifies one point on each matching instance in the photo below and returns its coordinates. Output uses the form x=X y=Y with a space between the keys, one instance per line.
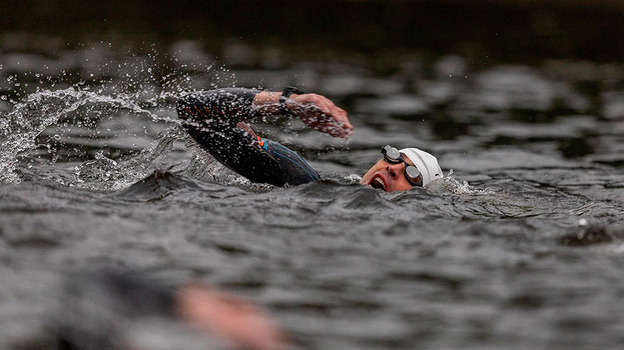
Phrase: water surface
x=520 y=246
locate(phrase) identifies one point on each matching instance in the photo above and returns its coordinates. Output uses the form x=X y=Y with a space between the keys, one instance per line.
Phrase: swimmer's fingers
x=327 y=124
x=332 y=121
x=340 y=116
x=335 y=129
x=323 y=115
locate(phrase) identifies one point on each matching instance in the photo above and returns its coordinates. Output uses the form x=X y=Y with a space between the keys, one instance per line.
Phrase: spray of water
x=80 y=96
x=449 y=185
x=20 y=127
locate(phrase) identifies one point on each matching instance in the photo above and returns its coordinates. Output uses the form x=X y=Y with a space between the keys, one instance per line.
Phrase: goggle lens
x=392 y=154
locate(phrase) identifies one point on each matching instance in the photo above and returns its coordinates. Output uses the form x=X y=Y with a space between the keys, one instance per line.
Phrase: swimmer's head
x=395 y=171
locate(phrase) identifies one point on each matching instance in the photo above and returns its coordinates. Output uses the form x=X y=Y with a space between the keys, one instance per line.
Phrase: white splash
x=20 y=127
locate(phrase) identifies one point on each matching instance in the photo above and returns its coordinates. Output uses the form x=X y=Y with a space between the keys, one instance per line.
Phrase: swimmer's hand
x=233 y=320
x=321 y=114
x=316 y=111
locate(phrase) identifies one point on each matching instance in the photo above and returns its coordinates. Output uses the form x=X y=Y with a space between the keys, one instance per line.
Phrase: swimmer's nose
x=395 y=170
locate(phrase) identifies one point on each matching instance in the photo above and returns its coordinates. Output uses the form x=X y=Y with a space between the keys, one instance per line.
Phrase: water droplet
x=57 y=137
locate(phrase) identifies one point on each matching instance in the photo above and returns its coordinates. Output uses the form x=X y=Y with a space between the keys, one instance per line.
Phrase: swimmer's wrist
x=266 y=102
x=287 y=105
x=271 y=102
x=292 y=105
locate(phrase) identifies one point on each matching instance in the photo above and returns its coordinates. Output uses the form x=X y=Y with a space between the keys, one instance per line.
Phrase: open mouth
x=378 y=182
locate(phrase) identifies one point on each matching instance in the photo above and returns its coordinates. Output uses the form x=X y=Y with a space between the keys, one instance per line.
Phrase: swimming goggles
x=412 y=174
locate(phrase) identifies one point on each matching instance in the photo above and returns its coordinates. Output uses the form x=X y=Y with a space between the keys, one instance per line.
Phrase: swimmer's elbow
x=195 y=105
x=185 y=106
x=192 y=107
x=181 y=103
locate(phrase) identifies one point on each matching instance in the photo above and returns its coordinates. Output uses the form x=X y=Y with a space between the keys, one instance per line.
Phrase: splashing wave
x=20 y=127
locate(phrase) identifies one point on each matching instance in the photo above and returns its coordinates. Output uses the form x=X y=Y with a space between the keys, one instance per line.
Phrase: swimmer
x=216 y=120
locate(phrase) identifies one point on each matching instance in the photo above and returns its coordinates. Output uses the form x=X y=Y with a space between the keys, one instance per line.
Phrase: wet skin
x=387 y=176
x=233 y=320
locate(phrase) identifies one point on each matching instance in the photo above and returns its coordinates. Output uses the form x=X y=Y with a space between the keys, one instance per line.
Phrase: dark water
x=519 y=247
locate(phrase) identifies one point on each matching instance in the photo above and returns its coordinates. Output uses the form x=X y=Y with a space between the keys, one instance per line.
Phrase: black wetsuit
x=215 y=119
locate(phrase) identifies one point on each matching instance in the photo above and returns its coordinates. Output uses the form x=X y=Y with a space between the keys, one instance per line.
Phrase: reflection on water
x=520 y=245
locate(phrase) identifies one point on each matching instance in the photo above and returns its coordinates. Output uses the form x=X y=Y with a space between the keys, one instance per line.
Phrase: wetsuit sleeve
x=215 y=119
x=217 y=109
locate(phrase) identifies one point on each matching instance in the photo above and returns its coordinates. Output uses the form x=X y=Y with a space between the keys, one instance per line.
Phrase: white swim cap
x=425 y=162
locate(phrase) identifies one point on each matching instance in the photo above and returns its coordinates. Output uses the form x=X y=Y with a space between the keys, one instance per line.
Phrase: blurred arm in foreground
x=120 y=311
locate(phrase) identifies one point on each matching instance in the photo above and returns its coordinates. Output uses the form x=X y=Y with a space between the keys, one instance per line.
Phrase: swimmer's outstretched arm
x=220 y=108
x=316 y=111
x=216 y=120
